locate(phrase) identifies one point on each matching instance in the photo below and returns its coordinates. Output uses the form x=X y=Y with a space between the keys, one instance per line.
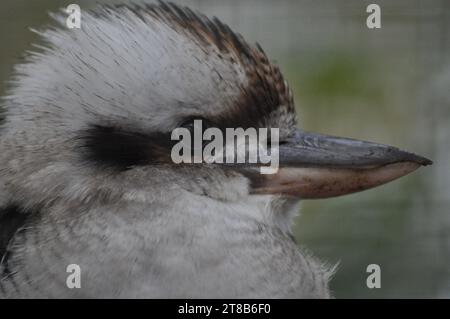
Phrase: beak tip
x=423 y=161
x=427 y=162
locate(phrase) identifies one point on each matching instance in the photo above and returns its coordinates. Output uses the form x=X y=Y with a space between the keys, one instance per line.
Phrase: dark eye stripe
x=117 y=148
x=12 y=219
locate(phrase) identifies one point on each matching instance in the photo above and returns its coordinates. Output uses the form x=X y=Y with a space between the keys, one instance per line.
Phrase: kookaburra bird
x=86 y=175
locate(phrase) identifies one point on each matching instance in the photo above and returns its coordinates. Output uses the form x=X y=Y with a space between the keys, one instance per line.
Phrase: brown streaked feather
x=266 y=91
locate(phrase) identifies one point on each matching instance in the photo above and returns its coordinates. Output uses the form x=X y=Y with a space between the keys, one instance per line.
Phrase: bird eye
x=189 y=123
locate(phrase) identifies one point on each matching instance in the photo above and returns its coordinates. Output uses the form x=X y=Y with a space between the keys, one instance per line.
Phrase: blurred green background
x=388 y=85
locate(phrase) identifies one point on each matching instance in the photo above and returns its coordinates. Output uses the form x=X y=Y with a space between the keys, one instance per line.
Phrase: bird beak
x=319 y=166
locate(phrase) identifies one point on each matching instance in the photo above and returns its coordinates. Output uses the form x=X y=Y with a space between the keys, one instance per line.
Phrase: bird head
x=91 y=113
